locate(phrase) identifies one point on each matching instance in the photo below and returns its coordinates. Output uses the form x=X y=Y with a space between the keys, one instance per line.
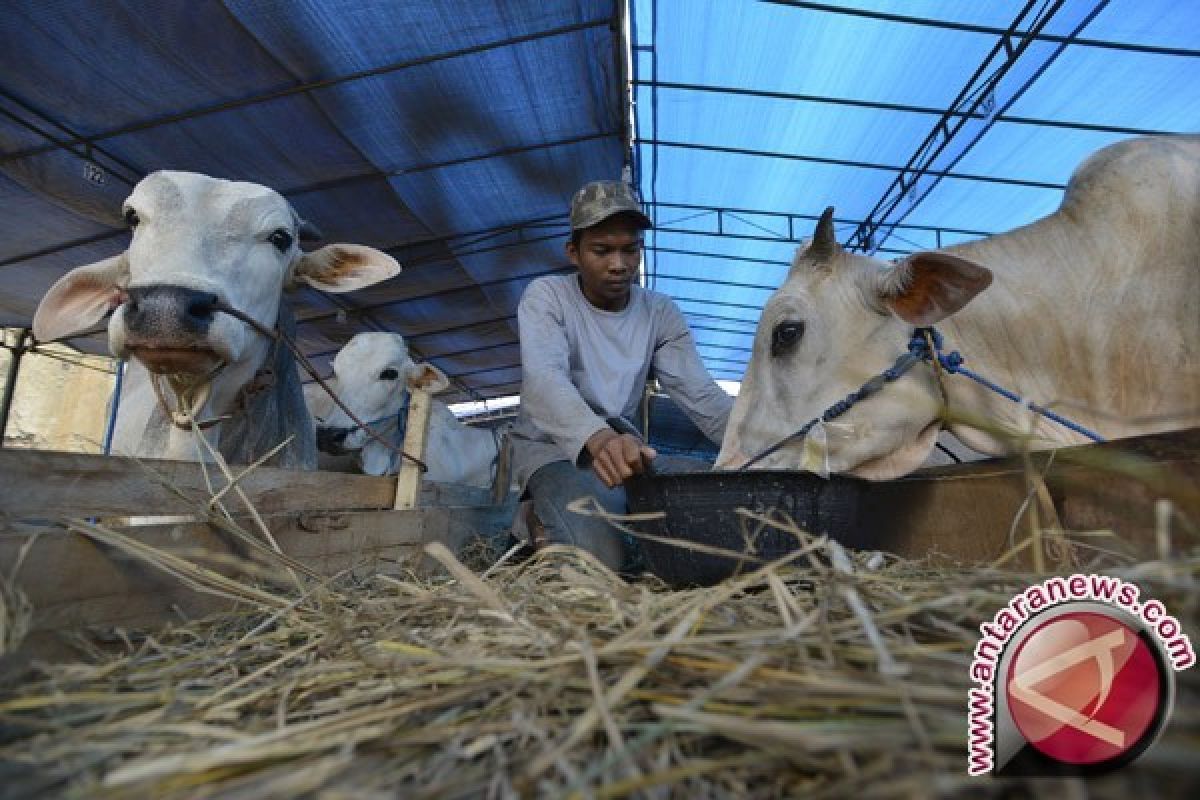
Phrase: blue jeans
x=558 y=483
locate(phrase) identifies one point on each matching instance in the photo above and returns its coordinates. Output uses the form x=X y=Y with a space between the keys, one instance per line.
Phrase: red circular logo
x=1084 y=688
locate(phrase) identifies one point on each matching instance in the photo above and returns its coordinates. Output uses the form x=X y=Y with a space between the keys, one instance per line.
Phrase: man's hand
x=617 y=456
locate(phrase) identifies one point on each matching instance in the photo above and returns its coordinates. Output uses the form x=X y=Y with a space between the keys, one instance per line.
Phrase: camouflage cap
x=599 y=200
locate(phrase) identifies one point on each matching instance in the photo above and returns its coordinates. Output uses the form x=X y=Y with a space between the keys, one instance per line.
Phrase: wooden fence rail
x=333 y=521
x=49 y=484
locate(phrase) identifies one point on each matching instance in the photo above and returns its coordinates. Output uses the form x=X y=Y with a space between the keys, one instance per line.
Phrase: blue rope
x=111 y=425
x=918 y=351
x=952 y=362
x=902 y=365
x=401 y=429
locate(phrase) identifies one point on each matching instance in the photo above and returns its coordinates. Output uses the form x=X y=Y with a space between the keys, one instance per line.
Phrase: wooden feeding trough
x=1134 y=490
x=969 y=513
x=330 y=522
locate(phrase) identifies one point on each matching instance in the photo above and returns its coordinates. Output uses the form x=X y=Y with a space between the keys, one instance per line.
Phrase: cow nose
x=162 y=308
x=332 y=440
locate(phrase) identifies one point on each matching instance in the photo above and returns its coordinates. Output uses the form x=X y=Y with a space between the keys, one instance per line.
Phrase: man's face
x=608 y=256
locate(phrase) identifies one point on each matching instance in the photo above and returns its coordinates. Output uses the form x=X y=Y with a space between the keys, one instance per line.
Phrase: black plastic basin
x=701 y=508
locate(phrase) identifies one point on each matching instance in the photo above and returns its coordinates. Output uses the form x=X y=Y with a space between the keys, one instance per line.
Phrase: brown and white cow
x=1093 y=310
x=200 y=243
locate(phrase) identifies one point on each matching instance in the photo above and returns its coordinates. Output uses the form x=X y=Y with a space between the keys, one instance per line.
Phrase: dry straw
x=828 y=674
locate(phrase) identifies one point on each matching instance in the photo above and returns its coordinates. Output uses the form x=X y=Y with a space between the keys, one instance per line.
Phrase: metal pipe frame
x=902 y=107
x=349 y=310
x=504 y=151
x=10 y=384
x=845 y=162
x=707 y=302
x=734 y=361
x=548 y=221
x=753 y=323
x=85 y=155
x=715 y=281
x=469 y=373
x=984 y=29
x=432 y=356
x=980 y=92
x=732 y=348
x=310 y=86
x=791 y=216
x=517 y=364
x=713 y=329
x=493 y=386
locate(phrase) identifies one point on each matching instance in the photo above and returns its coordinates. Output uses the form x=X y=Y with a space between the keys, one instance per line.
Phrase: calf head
x=199 y=242
x=837 y=320
x=372 y=376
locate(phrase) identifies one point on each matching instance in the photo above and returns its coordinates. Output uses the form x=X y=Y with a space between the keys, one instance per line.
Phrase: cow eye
x=785 y=336
x=281 y=239
x=131 y=218
x=389 y=374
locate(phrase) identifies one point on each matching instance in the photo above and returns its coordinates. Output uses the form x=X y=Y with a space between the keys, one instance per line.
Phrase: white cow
x=372 y=375
x=200 y=243
x=1094 y=310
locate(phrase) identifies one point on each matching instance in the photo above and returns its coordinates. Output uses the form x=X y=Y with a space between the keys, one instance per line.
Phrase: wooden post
x=647 y=391
x=408 y=482
x=10 y=385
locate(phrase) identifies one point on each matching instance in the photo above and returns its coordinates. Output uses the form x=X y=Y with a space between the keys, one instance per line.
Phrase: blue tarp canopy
x=923 y=122
x=450 y=133
x=453 y=133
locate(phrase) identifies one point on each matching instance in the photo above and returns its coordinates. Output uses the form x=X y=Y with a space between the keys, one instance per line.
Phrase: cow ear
x=925 y=288
x=81 y=298
x=427 y=377
x=344 y=267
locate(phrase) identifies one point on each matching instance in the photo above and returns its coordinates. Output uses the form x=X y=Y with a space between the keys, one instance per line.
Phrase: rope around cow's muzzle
x=190 y=400
x=302 y=360
x=901 y=365
x=924 y=345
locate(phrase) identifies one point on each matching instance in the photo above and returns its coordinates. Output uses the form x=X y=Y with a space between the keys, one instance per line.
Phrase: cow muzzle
x=167 y=327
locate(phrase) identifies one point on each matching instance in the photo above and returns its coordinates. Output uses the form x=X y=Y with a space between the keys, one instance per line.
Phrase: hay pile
x=817 y=677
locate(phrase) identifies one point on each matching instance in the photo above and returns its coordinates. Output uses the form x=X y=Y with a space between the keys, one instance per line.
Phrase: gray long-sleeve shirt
x=581 y=365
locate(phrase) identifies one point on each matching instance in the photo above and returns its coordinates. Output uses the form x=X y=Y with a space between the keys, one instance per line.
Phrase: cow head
x=372 y=375
x=197 y=242
x=837 y=320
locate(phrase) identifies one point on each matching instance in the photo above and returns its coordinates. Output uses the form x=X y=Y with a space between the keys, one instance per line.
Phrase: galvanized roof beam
x=352 y=310
x=958 y=130
x=310 y=86
x=85 y=152
x=493 y=386
x=902 y=107
x=519 y=228
x=719 y=318
x=846 y=162
x=504 y=151
x=792 y=217
x=985 y=29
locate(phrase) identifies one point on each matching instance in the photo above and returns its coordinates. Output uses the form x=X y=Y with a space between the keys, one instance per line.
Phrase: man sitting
x=589 y=341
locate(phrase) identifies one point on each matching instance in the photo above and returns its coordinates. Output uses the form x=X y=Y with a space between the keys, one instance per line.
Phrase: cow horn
x=824 y=244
